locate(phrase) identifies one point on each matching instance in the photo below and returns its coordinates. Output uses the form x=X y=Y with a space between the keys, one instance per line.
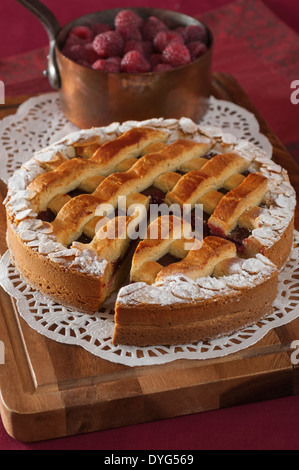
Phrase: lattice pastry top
x=78 y=206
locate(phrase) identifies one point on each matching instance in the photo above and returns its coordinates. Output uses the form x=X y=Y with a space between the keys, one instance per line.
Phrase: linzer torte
x=81 y=228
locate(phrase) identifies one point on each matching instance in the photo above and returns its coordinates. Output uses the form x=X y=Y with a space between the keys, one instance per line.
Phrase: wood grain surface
x=51 y=390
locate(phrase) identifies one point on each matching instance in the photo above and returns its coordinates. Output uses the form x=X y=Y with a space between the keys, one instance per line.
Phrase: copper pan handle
x=52 y=26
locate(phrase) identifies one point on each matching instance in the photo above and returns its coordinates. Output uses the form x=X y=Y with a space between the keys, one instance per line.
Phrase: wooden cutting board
x=51 y=390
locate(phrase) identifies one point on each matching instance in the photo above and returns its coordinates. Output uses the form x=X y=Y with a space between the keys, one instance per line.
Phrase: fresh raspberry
x=135 y=62
x=194 y=32
x=105 y=65
x=108 y=44
x=147 y=47
x=71 y=40
x=179 y=29
x=82 y=53
x=133 y=45
x=128 y=33
x=99 y=28
x=128 y=19
x=116 y=60
x=151 y=27
x=144 y=47
x=76 y=53
x=83 y=63
x=163 y=38
x=91 y=55
x=156 y=59
x=82 y=32
x=176 y=54
x=162 y=67
x=196 y=49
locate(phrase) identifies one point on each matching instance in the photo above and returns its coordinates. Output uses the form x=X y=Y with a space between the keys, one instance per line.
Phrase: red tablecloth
x=262 y=52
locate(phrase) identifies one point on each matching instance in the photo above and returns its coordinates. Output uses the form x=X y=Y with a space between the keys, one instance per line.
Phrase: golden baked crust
x=80 y=255
x=195 y=184
x=181 y=312
x=247 y=195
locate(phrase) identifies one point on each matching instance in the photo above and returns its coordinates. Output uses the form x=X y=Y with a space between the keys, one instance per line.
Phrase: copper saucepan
x=95 y=98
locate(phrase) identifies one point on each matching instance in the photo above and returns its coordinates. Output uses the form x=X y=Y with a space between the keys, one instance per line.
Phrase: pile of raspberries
x=135 y=45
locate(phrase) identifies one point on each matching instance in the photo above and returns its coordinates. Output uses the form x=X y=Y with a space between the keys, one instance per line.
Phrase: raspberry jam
x=47 y=216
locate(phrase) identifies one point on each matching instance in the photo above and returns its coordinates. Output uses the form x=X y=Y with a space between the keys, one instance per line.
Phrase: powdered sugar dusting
x=180 y=289
x=89 y=262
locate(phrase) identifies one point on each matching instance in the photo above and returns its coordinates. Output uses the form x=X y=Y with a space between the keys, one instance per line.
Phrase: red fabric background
x=261 y=50
x=21 y=32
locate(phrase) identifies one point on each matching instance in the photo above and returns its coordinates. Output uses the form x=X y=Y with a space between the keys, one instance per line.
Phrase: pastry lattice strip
x=198 y=258
x=71 y=173
x=239 y=206
x=233 y=205
x=50 y=188
x=76 y=215
x=112 y=239
x=84 y=148
x=195 y=184
x=73 y=217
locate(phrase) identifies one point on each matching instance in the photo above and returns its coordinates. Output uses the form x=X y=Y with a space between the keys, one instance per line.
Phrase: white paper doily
x=94 y=332
x=40 y=122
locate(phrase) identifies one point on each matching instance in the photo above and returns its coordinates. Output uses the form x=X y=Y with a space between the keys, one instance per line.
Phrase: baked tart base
x=166 y=294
